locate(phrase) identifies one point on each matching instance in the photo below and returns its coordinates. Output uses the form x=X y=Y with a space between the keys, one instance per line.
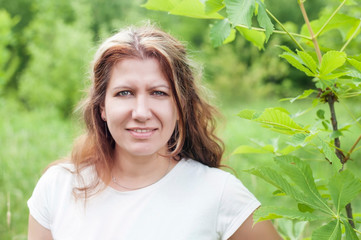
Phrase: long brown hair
x=194 y=136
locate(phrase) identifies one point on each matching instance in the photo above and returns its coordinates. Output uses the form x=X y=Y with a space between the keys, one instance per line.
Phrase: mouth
x=141 y=133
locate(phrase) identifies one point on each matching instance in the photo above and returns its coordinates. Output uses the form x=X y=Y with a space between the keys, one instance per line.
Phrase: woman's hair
x=194 y=135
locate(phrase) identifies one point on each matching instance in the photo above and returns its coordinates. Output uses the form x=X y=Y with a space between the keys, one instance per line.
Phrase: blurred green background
x=45 y=52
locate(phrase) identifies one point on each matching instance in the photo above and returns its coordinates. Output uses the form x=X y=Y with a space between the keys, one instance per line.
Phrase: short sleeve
x=236 y=205
x=39 y=201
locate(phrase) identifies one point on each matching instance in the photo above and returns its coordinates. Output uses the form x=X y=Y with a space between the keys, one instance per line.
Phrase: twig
x=284 y=29
x=314 y=39
x=350 y=39
x=352 y=149
x=330 y=18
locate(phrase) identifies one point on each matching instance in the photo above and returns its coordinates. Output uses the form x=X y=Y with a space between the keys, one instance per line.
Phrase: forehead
x=135 y=70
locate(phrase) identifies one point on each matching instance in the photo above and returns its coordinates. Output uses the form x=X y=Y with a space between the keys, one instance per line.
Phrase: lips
x=141 y=133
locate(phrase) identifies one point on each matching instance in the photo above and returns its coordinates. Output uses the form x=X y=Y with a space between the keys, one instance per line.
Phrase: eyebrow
x=152 y=87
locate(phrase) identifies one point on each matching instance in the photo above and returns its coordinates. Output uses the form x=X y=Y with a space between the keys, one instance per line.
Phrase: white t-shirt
x=192 y=201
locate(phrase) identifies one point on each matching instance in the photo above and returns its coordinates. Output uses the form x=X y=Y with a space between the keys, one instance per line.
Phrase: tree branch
x=314 y=39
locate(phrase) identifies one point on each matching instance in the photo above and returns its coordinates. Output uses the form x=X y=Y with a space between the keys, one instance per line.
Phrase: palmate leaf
x=243 y=149
x=343 y=188
x=331 y=156
x=304 y=95
x=301 y=174
x=240 y=12
x=331 y=61
x=330 y=231
x=214 y=6
x=219 y=32
x=255 y=37
x=273 y=212
x=296 y=62
x=275 y=178
x=350 y=232
x=263 y=19
x=308 y=61
x=189 y=8
x=279 y=121
x=355 y=63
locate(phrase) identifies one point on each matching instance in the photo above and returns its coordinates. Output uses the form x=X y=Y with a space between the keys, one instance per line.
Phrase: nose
x=141 y=111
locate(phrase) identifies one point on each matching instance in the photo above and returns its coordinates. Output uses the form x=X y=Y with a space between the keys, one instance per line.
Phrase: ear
x=102 y=113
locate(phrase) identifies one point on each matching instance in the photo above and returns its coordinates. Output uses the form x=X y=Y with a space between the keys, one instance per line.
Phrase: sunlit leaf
x=160 y=5
x=273 y=212
x=249 y=149
x=214 y=6
x=240 y=12
x=355 y=63
x=331 y=61
x=343 y=188
x=231 y=37
x=297 y=62
x=255 y=37
x=330 y=231
x=304 y=95
x=193 y=8
x=247 y=114
x=308 y=61
x=279 y=120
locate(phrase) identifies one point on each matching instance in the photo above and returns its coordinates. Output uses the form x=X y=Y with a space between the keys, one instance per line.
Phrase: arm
x=37 y=231
x=260 y=231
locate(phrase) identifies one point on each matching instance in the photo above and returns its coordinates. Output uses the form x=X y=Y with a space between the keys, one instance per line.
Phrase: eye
x=159 y=93
x=124 y=93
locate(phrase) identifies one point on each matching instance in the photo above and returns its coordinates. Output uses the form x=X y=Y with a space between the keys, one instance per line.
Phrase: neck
x=139 y=171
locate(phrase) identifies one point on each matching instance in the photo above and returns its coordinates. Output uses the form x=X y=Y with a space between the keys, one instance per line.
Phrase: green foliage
x=320 y=55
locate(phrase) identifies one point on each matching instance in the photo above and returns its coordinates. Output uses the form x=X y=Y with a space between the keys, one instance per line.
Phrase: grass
x=31 y=140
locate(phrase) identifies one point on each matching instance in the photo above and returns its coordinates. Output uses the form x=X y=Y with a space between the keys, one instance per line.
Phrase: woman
x=147 y=167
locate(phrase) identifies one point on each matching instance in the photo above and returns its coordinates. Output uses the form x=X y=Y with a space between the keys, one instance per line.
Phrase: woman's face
x=139 y=108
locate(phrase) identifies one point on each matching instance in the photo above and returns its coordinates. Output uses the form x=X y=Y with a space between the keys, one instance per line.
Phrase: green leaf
x=231 y=37
x=331 y=61
x=321 y=114
x=308 y=61
x=255 y=37
x=330 y=231
x=219 y=32
x=263 y=19
x=336 y=134
x=273 y=212
x=343 y=188
x=275 y=178
x=214 y=6
x=189 y=8
x=247 y=114
x=243 y=149
x=193 y=8
x=240 y=12
x=305 y=208
x=355 y=63
x=160 y=5
x=296 y=62
x=331 y=156
x=350 y=232
x=304 y=95
x=279 y=121
x=301 y=174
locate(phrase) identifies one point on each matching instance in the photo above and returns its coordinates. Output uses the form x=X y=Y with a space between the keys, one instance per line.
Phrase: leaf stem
x=330 y=18
x=314 y=39
x=284 y=29
x=275 y=31
x=352 y=148
x=352 y=36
